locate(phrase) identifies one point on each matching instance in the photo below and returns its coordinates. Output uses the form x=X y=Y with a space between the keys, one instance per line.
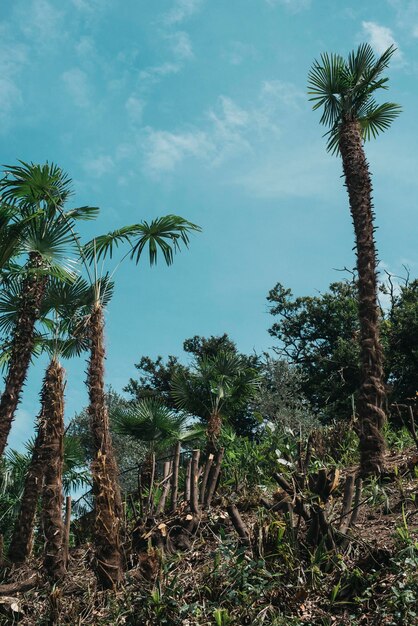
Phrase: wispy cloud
x=77 y=85
x=182 y=10
x=229 y=130
x=41 y=20
x=165 y=150
x=381 y=38
x=236 y=52
x=13 y=58
x=291 y=5
x=181 y=45
x=153 y=74
x=98 y=166
x=135 y=108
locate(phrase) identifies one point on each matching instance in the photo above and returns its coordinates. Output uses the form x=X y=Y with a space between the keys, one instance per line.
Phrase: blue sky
x=199 y=107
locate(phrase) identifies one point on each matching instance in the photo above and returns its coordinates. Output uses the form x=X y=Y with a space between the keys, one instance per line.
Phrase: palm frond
x=345 y=92
x=164 y=234
x=149 y=420
x=378 y=118
x=32 y=184
x=81 y=213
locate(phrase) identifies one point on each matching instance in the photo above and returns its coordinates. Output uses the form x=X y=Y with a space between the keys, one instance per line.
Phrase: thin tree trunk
x=67 y=530
x=194 y=482
x=208 y=465
x=166 y=487
x=107 y=498
x=372 y=390
x=52 y=498
x=33 y=289
x=213 y=477
x=187 y=481
x=22 y=538
x=175 y=478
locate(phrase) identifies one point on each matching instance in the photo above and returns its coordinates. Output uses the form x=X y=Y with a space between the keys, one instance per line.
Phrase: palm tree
x=345 y=90
x=156 y=425
x=14 y=473
x=216 y=384
x=62 y=314
x=152 y=422
x=43 y=238
x=163 y=234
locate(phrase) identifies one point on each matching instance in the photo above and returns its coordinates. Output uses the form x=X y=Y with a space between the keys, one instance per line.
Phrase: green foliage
x=345 y=91
x=319 y=335
x=163 y=234
x=155 y=380
x=151 y=422
x=216 y=384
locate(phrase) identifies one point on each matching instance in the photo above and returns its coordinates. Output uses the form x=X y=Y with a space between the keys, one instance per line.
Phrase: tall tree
x=345 y=90
x=164 y=235
x=43 y=241
x=62 y=313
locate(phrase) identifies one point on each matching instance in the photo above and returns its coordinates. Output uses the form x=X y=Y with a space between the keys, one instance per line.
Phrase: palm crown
x=345 y=90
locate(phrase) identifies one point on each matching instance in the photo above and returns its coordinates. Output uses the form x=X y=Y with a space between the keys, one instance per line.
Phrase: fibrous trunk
x=21 y=543
x=107 y=498
x=21 y=346
x=372 y=390
x=213 y=431
x=52 y=497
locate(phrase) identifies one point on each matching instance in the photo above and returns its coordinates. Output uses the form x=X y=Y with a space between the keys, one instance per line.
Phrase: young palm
x=345 y=91
x=217 y=384
x=164 y=235
x=156 y=425
x=43 y=240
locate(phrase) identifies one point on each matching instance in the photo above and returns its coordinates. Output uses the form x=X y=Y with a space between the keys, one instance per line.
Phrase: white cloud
x=90 y=6
x=302 y=173
x=85 y=48
x=229 y=130
x=237 y=52
x=181 y=45
x=380 y=38
x=292 y=5
x=182 y=10
x=155 y=73
x=164 y=150
x=10 y=98
x=77 y=85
x=99 y=166
x=135 y=108
x=276 y=92
x=41 y=21
x=13 y=58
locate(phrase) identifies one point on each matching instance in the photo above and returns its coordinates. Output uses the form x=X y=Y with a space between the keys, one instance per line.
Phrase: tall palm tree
x=216 y=384
x=345 y=90
x=163 y=235
x=62 y=314
x=44 y=239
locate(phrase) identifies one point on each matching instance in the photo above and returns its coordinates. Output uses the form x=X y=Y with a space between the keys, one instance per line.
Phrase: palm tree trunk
x=22 y=345
x=106 y=491
x=372 y=390
x=213 y=431
x=21 y=543
x=52 y=498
